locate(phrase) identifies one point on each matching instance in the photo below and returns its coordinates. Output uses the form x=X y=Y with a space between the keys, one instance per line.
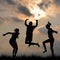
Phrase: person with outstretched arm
x=50 y=40
x=12 y=41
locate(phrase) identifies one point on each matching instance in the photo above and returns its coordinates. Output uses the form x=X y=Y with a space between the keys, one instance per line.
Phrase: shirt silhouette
x=51 y=38
x=29 y=33
x=13 y=40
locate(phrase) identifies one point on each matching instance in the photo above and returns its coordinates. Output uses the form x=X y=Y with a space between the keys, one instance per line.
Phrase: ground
x=29 y=58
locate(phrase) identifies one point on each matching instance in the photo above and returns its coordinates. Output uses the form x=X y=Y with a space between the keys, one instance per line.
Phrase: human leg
x=45 y=49
x=32 y=43
x=15 y=48
x=26 y=40
x=13 y=53
x=51 y=47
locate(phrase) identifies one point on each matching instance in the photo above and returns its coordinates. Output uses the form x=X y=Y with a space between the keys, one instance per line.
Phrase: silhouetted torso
x=50 y=33
x=30 y=30
x=14 y=36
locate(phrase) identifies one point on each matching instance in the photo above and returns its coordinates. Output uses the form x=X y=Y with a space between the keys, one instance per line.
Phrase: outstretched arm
x=26 y=22
x=7 y=33
x=36 y=23
x=55 y=31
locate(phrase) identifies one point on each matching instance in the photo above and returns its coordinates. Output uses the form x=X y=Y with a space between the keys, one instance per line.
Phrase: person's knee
x=30 y=42
x=26 y=42
x=43 y=42
x=16 y=48
x=51 y=48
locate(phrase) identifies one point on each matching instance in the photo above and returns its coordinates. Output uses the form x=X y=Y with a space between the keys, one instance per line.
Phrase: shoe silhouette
x=38 y=45
x=44 y=51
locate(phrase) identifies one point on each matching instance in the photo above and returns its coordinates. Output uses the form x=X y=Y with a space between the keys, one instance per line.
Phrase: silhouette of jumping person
x=51 y=38
x=29 y=33
x=13 y=40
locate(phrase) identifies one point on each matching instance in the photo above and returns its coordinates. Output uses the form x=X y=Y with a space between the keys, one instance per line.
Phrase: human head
x=30 y=23
x=48 y=25
x=16 y=30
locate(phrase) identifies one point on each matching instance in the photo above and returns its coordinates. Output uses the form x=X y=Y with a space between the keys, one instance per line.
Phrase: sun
x=37 y=12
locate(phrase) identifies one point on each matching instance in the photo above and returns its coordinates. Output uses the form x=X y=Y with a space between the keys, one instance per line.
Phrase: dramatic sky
x=13 y=14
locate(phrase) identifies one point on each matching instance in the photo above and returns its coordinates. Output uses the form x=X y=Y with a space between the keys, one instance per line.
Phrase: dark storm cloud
x=1 y=1
x=57 y=2
x=43 y=30
x=24 y=10
x=7 y=1
x=44 y=4
x=16 y=19
x=10 y=1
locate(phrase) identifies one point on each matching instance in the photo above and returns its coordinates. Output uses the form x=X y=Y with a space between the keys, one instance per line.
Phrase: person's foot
x=38 y=45
x=14 y=56
x=29 y=45
x=44 y=51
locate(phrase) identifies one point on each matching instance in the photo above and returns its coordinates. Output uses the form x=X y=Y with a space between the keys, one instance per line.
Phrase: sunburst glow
x=37 y=12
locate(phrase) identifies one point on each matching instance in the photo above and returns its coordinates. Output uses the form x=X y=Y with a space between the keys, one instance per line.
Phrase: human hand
x=56 y=32
x=36 y=20
x=27 y=19
x=4 y=34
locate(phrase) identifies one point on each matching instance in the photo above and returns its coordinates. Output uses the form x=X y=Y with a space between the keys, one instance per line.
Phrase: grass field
x=28 y=58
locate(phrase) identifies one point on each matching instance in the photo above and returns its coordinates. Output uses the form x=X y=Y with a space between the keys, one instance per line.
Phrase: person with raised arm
x=29 y=33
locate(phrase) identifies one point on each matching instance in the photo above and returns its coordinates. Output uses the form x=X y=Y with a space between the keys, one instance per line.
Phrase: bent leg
x=26 y=40
x=45 y=45
x=32 y=43
x=15 y=48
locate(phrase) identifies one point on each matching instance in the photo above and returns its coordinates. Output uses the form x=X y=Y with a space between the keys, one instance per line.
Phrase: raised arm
x=26 y=22
x=7 y=33
x=36 y=23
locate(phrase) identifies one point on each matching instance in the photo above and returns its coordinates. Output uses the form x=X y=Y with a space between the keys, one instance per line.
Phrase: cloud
x=13 y=8
x=42 y=30
x=51 y=6
x=1 y=20
x=24 y=10
x=16 y=19
x=57 y=28
x=57 y=2
x=44 y=4
x=8 y=1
